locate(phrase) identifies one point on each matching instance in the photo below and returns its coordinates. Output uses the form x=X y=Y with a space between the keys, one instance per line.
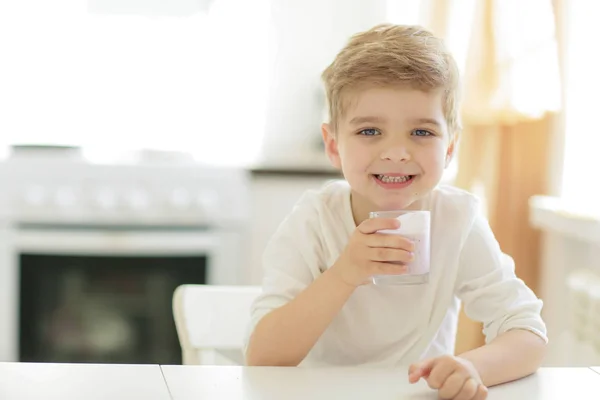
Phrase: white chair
x=211 y=322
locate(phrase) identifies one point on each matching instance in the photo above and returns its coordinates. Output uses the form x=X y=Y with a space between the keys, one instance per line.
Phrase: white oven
x=90 y=255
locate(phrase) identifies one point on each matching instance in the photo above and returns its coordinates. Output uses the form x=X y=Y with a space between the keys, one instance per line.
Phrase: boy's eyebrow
x=428 y=121
x=366 y=119
x=373 y=119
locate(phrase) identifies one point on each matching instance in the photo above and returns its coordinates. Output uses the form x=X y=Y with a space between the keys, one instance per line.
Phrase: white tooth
x=393 y=179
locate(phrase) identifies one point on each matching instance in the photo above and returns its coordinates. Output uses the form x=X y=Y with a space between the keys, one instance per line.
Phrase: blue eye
x=369 y=132
x=421 y=132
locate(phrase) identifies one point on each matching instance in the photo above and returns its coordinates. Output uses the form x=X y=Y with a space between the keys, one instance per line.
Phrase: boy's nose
x=395 y=154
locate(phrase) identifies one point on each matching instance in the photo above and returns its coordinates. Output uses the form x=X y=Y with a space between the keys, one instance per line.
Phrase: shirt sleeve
x=290 y=264
x=490 y=290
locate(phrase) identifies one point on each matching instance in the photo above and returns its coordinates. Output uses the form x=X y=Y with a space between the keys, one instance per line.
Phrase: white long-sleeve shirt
x=398 y=325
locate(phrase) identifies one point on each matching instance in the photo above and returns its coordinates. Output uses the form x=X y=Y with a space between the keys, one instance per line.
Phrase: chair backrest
x=211 y=321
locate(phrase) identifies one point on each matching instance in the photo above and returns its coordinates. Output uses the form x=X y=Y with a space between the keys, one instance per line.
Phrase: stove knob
x=65 y=197
x=106 y=199
x=137 y=200
x=35 y=196
x=208 y=202
x=180 y=199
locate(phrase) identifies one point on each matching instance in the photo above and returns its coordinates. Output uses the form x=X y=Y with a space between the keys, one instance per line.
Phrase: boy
x=392 y=94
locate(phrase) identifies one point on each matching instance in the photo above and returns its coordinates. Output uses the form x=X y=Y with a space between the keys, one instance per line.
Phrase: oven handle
x=116 y=242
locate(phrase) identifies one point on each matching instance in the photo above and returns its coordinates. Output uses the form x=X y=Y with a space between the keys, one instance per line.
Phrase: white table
x=253 y=383
x=597 y=369
x=551 y=384
x=23 y=381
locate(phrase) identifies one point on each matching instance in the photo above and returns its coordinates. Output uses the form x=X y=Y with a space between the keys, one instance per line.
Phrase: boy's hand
x=370 y=253
x=454 y=377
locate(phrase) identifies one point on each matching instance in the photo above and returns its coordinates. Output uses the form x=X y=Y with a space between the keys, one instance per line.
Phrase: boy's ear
x=331 y=146
x=450 y=152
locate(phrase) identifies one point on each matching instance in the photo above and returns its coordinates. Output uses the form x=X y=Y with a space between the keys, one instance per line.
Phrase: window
x=582 y=131
x=117 y=82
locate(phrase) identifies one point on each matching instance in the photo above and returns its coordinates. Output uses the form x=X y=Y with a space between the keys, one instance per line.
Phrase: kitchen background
x=147 y=144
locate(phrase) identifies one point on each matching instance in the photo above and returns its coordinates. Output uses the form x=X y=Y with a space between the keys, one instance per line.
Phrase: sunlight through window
x=111 y=82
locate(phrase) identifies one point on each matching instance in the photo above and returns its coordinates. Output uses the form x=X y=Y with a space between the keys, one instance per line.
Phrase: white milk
x=414 y=225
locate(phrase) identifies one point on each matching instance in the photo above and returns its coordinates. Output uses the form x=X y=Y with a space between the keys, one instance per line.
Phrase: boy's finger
x=385 y=268
x=470 y=390
x=390 y=241
x=439 y=373
x=420 y=370
x=482 y=392
x=382 y=254
x=373 y=225
x=452 y=385
x=413 y=373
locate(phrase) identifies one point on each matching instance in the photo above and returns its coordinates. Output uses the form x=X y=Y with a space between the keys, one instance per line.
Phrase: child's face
x=392 y=145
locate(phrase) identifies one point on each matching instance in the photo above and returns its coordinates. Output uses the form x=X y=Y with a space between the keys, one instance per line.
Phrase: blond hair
x=393 y=55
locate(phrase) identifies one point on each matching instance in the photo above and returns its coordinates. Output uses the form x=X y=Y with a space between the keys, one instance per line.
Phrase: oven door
x=221 y=248
x=104 y=296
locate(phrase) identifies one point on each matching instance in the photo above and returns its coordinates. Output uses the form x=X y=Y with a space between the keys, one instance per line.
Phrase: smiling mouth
x=394 y=178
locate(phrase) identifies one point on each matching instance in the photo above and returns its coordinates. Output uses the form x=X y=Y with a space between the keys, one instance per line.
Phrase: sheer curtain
x=196 y=83
x=508 y=54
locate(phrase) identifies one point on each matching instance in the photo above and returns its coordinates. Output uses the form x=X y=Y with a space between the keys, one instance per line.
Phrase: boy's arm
x=510 y=356
x=283 y=327
x=510 y=311
x=299 y=301
x=285 y=336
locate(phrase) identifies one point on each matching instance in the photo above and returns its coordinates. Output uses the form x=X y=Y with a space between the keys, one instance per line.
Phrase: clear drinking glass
x=416 y=226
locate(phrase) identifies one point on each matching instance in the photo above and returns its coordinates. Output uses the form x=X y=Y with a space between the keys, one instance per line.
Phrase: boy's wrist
x=337 y=279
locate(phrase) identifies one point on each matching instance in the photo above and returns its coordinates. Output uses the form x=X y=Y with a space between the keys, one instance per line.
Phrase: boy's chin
x=393 y=205
x=401 y=202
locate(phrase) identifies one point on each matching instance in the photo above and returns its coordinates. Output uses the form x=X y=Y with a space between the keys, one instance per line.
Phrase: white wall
x=307 y=35
x=159 y=74
x=273 y=198
x=117 y=79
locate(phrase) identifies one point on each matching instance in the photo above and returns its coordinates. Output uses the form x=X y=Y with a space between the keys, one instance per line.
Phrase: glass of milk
x=415 y=226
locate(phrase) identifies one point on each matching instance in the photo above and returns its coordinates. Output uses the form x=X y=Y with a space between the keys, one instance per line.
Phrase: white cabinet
x=273 y=197
x=569 y=281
